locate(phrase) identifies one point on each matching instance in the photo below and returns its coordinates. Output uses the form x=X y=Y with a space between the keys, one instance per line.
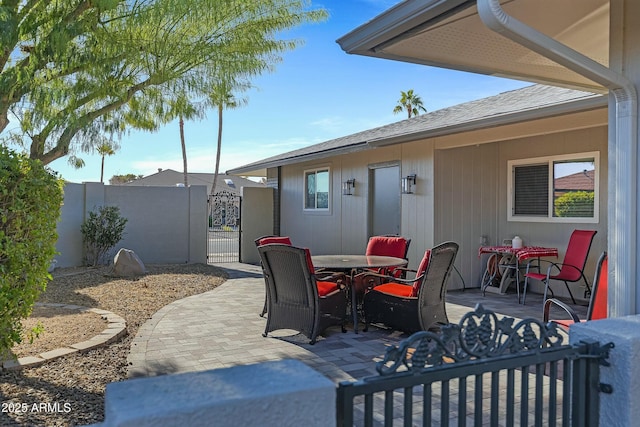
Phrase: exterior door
x=384 y=201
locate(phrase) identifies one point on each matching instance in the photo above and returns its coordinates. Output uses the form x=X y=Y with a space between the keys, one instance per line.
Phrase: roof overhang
x=260 y=168
x=558 y=112
x=450 y=34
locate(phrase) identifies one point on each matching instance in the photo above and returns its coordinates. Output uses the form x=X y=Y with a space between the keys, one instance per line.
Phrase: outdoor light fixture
x=348 y=186
x=408 y=184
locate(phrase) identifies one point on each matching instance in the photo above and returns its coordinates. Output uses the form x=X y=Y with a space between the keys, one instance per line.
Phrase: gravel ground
x=70 y=390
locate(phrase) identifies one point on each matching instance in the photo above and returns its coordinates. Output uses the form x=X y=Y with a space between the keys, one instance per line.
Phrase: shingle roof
x=517 y=105
x=577 y=181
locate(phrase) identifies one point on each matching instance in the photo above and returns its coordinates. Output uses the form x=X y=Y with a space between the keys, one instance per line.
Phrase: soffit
x=457 y=38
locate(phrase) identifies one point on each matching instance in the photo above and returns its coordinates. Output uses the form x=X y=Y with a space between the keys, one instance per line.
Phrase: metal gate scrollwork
x=224 y=227
x=224 y=210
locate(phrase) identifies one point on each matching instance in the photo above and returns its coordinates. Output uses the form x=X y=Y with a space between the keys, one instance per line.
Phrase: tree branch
x=61 y=148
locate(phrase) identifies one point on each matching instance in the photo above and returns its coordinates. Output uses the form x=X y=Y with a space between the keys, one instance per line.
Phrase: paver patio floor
x=222 y=328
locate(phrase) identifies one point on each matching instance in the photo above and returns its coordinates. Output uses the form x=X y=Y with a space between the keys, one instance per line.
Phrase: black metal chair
x=297 y=300
x=414 y=304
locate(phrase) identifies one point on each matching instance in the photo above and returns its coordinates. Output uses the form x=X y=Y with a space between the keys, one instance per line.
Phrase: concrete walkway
x=222 y=328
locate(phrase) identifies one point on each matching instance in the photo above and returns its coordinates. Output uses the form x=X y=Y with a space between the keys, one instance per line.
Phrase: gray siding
x=472 y=197
x=460 y=196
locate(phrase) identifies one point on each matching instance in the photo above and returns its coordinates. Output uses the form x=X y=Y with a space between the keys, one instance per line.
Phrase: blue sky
x=317 y=93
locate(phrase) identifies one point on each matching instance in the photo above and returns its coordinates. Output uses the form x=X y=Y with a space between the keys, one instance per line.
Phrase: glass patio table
x=353 y=264
x=516 y=256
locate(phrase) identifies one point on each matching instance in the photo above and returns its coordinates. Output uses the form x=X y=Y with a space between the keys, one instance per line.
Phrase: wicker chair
x=416 y=304
x=265 y=240
x=296 y=299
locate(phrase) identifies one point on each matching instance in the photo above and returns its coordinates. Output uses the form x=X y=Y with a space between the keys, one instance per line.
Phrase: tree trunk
x=218 y=151
x=102 y=170
x=184 y=153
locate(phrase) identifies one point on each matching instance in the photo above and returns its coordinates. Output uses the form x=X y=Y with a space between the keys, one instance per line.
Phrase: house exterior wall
x=344 y=228
x=461 y=195
x=164 y=224
x=472 y=196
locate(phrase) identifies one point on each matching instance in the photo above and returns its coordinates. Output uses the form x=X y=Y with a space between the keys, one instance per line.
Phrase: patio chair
x=411 y=305
x=597 y=303
x=265 y=240
x=297 y=300
x=571 y=270
x=385 y=245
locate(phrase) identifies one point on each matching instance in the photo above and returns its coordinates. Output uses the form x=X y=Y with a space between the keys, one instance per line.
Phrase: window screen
x=531 y=185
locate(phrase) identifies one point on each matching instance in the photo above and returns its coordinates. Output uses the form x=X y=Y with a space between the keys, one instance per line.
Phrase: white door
x=384 y=200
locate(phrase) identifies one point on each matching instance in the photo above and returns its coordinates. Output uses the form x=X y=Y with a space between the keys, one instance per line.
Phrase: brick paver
x=222 y=328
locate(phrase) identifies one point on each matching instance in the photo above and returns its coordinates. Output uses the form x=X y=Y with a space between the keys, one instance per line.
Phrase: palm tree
x=410 y=102
x=106 y=148
x=184 y=152
x=183 y=108
x=222 y=97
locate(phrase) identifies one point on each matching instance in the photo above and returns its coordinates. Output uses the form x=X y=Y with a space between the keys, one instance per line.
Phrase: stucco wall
x=256 y=220
x=165 y=224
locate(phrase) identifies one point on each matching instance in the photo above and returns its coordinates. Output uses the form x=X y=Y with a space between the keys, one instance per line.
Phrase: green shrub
x=578 y=204
x=101 y=231
x=30 y=200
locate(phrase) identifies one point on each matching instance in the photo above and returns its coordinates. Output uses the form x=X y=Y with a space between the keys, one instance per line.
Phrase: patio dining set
x=309 y=293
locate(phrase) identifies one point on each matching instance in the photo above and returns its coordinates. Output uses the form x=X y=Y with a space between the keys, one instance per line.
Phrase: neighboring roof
x=171 y=178
x=514 y=106
x=576 y=182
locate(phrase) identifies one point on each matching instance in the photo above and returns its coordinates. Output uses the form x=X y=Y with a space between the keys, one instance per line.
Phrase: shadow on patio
x=222 y=328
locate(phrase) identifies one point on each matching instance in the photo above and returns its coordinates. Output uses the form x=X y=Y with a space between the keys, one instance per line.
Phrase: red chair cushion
x=421 y=270
x=325 y=288
x=564 y=323
x=312 y=269
x=283 y=240
x=387 y=246
x=396 y=289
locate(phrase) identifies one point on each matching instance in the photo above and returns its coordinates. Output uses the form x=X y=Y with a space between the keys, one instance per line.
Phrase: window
x=316 y=184
x=554 y=189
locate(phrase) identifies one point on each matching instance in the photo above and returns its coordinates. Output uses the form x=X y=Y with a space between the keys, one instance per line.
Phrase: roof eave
x=583 y=105
x=400 y=19
x=591 y=103
x=319 y=155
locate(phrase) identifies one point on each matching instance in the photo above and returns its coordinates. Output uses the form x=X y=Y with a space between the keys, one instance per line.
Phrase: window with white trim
x=316 y=185
x=554 y=189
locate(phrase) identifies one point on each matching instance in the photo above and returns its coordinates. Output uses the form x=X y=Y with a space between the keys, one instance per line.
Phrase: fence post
x=622 y=376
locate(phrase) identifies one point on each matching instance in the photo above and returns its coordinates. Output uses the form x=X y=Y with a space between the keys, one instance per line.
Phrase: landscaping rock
x=126 y=263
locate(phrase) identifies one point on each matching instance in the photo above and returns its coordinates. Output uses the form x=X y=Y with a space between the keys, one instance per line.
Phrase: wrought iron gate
x=483 y=371
x=223 y=233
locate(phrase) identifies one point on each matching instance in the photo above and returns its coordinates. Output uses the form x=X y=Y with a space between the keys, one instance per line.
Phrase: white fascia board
x=399 y=20
x=510 y=118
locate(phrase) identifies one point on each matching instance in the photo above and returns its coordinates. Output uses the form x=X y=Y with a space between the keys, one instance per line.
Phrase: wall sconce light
x=408 y=184
x=348 y=186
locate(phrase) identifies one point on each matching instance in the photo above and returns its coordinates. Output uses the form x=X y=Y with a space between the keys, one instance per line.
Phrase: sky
x=317 y=93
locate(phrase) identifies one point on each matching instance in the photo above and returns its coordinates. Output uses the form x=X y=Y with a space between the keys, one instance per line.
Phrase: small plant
x=30 y=199
x=101 y=231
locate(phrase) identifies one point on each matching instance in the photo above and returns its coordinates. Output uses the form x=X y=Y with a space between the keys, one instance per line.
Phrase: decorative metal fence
x=482 y=371
x=223 y=234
